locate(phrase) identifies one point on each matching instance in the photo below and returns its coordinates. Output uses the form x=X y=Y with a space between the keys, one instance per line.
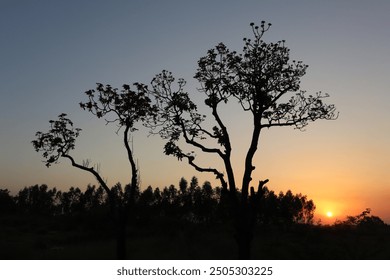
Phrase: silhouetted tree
x=70 y=201
x=37 y=199
x=260 y=79
x=269 y=207
x=183 y=184
x=194 y=183
x=157 y=196
x=145 y=204
x=364 y=221
x=306 y=212
x=295 y=208
x=124 y=108
x=92 y=198
x=57 y=143
x=208 y=202
x=7 y=203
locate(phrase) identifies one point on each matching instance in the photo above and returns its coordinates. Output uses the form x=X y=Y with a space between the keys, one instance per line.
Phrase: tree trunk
x=246 y=218
x=244 y=231
x=248 y=160
x=244 y=238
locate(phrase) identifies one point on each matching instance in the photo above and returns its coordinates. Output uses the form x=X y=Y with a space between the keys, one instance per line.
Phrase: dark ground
x=86 y=237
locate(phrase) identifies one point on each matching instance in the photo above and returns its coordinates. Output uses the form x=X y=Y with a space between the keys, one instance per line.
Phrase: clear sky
x=52 y=51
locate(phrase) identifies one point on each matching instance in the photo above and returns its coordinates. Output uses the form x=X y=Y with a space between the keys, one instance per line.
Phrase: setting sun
x=329 y=214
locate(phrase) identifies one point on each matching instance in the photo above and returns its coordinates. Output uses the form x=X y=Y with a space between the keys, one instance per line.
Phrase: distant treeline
x=189 y=202
x=190 y=221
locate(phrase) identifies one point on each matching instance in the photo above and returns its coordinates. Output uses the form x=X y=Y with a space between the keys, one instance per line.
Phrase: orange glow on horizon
x=328 y=211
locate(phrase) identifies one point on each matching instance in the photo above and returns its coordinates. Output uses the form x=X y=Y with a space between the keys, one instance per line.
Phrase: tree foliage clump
x=127 y=106
x=58 y=141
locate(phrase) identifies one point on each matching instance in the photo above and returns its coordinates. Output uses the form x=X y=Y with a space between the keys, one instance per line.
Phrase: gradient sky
x=52 y=51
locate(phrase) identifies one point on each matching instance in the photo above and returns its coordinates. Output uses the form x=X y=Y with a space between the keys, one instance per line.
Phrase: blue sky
x=52 y=51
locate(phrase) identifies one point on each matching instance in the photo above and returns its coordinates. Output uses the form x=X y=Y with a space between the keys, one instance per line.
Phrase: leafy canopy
x=128 y=106
x=58 y=141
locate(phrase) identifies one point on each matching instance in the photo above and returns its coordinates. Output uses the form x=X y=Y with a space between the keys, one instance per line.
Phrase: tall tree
x=266 y=83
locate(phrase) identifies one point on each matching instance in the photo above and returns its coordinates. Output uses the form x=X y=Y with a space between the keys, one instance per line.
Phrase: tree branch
x=218 y=174
x=98 y=178
x=198 y=145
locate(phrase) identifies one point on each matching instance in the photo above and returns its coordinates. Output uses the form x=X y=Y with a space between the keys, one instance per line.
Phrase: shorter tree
x=125 y=108
x=56 y=144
